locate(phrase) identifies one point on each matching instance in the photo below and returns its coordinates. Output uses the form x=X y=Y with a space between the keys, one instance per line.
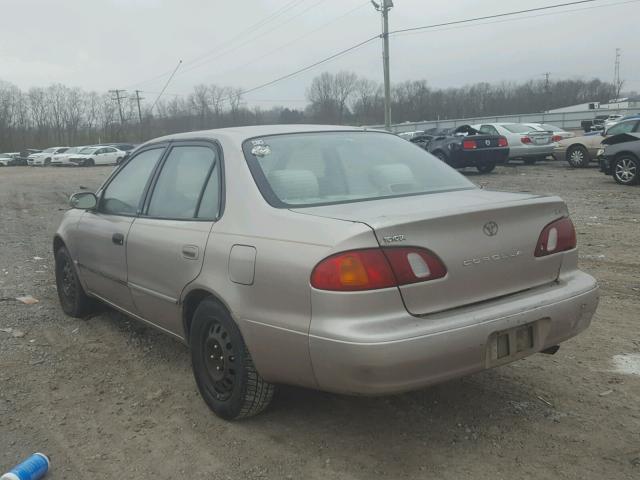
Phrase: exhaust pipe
x=551 y=350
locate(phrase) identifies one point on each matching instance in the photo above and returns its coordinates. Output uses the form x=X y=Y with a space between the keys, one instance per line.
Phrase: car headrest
x=393 y=177
x=293 y=184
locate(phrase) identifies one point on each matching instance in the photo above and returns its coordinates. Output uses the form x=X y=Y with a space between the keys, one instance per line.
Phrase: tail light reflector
x=525 y=140
x=558 y=236
x=556 y=138
x=469 y=145
x=376 y=268
x=502 y=142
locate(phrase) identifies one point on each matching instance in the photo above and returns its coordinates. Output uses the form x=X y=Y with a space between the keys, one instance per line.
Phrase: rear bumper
x=473 y=158
x=451 y=344
x=606 y=165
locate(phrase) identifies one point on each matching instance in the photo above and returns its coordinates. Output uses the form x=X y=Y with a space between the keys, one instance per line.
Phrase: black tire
x=626 y=169
x=89 y=162
x=578 y=156
x=47 y=162
x=229 y=383
x=118 y=160
x=440 y=156
x=73 y=299
x=530 y=161
x=486 y=167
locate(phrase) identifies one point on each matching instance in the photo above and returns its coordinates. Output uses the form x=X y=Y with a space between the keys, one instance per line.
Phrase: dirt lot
x=108 y=398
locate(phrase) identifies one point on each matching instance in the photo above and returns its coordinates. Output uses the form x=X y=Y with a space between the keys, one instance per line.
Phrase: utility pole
x=138 y=98
x=384 y=9
x=118 y=97
x=547 y=90
x=616 y=75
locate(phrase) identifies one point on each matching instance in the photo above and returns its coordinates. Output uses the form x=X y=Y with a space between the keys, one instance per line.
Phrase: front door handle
x=117 y=238
x=190 y=252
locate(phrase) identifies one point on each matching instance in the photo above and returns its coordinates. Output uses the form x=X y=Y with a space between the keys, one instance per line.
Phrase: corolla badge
x=490 y=229
x=394 y=238
x=496 y=257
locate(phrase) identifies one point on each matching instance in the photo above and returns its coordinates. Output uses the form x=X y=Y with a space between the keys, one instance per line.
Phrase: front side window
x=181 y=183
x=122 y=196
x=319 y=168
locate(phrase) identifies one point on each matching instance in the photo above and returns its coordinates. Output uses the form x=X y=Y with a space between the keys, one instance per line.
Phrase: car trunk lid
x=485 y=239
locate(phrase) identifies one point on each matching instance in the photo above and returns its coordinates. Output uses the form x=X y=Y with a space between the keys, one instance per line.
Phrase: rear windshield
x=519 y=128
x=320 y=168
x=551 y=128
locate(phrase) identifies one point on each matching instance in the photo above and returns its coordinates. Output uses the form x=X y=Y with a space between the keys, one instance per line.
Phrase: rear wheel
x=73 y=299
x=224 y=372
x=530 y=160
x=578 y=157
x=625 y=170
x=118 y=160
x=486 y=167
x=89 y=162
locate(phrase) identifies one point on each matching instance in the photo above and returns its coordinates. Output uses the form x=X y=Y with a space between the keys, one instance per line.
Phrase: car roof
x=240 y=134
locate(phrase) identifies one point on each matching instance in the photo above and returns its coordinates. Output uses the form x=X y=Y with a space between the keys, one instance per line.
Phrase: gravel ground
x=109 y=398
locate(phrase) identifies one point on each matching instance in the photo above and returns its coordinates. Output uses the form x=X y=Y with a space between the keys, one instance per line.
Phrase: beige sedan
x=333 y=258
x=580 y=151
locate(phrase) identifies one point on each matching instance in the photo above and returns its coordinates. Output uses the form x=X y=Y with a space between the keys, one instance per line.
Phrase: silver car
x=333 y=258
x=525 y=142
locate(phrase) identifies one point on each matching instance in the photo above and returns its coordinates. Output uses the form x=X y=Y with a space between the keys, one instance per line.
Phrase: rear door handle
x=117 y=238
x=190 y=252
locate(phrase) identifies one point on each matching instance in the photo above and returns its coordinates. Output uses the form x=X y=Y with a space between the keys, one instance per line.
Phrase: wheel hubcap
x=625 y=170
x=577 y=156
x=219 y=361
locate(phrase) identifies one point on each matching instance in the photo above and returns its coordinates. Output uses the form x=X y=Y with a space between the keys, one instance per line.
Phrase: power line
x=489 y=17
x=165 y=86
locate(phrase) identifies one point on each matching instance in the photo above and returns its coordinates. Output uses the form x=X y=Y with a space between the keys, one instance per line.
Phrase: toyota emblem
x=490 y=229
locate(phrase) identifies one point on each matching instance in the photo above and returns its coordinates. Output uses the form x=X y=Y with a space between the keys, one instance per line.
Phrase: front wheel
x=73 y=299
x=578 y=157
x=89 y=162
x=224 y=372
x=47 y=162
x=625 y=170
x=486 y=167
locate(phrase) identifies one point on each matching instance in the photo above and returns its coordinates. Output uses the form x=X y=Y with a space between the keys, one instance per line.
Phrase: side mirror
x=603 y=133
x=83 y=200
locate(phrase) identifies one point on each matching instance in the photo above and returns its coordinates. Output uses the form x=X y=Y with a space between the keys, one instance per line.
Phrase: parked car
x=97 y=155
x=63 y=158
x=525 y=143
x=466 y=147
x=594 y=124
x=580 y=151
x=333 y=258
x=558 y=133
x=620 y=158
x=5 y=160
x=125 y=147
x=44 y=157
x=612 y=120
x=410 y=135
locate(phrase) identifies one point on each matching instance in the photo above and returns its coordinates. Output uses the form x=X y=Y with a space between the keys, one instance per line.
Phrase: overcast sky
x=106 y=44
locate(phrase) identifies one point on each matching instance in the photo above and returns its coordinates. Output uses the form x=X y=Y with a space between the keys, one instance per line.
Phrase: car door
x=103 y=232
x=166 y=243
x=111 y=155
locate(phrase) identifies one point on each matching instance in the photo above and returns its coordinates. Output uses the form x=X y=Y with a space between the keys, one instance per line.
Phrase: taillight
x=558 y=236
x=556 y=138
x=376 y=268
x=525 y=140
x=502 y=142
x=469 y=145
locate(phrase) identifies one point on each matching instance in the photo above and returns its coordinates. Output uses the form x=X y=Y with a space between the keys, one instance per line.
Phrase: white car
x=63 y=158
x=44 y=157
x=558 y=133
x=525 y=142
x=98 y=155
x=612 y=120
x=4 y=160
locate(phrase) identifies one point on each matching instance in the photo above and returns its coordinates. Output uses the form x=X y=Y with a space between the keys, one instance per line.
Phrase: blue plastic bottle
x=33 y=468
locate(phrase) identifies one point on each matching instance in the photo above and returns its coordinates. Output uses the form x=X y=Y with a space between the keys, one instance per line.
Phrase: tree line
x=62 y=115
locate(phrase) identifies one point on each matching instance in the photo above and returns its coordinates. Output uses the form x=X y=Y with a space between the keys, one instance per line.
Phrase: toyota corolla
x=332 y=258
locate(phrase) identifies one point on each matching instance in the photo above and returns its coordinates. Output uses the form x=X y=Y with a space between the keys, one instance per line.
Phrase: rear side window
x=122 y=196
x=518 y=128
x=183 y=182
x=622 y=127
x=337 y=167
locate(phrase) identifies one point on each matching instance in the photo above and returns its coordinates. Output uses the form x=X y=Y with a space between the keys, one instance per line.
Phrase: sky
x=135 y=44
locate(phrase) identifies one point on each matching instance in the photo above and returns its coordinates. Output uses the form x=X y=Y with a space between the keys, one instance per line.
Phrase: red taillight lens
x=469 y=145
x=376 y=268
x=558 y=236
x=556 y=138
x=502 y=142
x=525 y=140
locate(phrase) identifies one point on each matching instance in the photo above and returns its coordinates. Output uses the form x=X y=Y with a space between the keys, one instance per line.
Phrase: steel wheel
x=625 y=171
